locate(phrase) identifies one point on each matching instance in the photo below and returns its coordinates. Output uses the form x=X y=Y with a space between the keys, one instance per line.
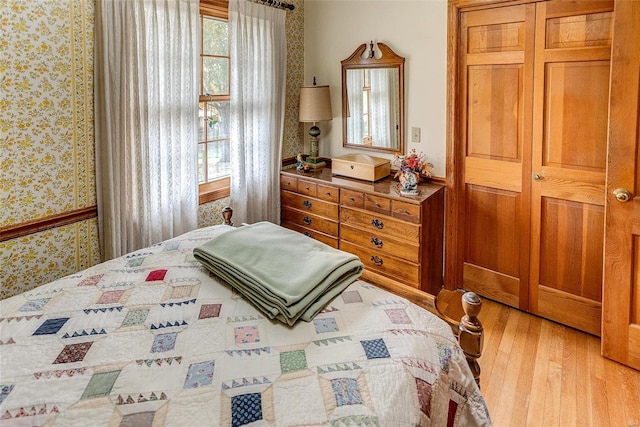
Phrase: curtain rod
x=276 y=3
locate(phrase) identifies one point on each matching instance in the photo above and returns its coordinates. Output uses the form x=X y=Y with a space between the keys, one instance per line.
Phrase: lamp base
x=315 y=162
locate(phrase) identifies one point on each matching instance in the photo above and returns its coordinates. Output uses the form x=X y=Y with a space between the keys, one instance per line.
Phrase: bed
x=152 y=338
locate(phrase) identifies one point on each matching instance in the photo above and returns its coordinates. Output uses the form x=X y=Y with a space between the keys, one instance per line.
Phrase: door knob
x=622 y=194
x=537 y=176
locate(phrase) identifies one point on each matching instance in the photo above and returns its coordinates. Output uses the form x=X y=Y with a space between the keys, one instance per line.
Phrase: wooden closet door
x=571 y=101
x=496 y=77
x=621 y=299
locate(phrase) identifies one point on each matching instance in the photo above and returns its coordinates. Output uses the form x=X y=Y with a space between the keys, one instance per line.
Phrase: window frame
x=218 y=188
x=366 y=89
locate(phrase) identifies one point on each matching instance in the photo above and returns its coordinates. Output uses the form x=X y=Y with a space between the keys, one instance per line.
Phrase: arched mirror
x=373 y=99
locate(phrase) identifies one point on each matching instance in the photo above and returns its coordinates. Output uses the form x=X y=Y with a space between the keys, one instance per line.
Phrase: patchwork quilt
x=151 y=339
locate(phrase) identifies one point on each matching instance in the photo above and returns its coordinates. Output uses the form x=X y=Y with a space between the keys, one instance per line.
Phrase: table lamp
x=315 y=106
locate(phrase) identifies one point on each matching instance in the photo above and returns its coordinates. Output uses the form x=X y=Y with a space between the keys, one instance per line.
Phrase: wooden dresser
x=399 y=239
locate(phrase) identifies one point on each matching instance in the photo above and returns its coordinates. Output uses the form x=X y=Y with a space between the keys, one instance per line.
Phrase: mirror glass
x=373 y=99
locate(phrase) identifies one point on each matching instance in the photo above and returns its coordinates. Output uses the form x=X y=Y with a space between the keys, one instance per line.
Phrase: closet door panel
x=578 y=26
x=571 y=247
x=494 y=110
x=496 y=30
x=576 y=115
x=571 y=101
x=492 y=239
x=496 y=91
x=494 y=116
x=492 y=249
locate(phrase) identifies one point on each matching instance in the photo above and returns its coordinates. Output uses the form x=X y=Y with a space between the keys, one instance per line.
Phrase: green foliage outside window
x=213 y=129
x=215 y=61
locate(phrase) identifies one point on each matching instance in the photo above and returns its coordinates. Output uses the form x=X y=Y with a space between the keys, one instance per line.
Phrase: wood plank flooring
x=538 y=373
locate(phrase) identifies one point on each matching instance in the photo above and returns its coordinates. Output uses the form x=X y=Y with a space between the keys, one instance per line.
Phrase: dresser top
x=387 y=187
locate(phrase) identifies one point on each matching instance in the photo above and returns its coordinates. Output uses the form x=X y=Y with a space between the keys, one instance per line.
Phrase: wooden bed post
x=227 y=212
x=471 y=332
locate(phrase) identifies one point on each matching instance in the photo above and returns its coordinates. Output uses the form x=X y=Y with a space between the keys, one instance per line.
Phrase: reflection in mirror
x=373 y=116
x=373 y=99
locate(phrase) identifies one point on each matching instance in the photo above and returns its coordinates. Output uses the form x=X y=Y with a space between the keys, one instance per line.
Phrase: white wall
x=416 y=29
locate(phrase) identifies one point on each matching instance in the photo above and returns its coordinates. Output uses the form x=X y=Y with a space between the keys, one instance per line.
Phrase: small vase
x=409 y=182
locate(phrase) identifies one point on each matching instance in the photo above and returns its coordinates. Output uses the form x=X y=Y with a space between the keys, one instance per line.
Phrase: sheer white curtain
x=384 y=114
x=258 y=77
x=354 y=94
x=146 y=92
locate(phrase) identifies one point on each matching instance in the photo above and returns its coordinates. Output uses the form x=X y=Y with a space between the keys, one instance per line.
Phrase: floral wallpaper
x=48 y=160
x=293 y=142
x=47 y=165
x=47 y=69
x=39 y=258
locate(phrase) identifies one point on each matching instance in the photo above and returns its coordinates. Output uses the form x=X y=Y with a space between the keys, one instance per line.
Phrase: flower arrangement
x=413 y=162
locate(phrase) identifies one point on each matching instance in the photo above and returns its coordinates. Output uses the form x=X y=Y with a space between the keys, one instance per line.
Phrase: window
x=213 y=106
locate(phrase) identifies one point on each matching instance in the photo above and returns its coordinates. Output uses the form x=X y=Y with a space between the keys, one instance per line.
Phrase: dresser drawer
x=406 y=211
x=308 y=188
x=324 y=238
x=309 y=204
x=354 y=199
x=381 y=224
x=377 y=204
x=330 y=194
x=309 y=220
x=379 y=242
x=390 y=266
x=288 y=183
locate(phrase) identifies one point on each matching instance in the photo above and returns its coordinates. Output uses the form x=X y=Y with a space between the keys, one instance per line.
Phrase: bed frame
x=449 y=306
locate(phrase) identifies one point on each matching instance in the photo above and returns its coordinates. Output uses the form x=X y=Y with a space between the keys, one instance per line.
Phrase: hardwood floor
x=538 y=373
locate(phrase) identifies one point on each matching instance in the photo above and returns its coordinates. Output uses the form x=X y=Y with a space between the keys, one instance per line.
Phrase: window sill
x=214 y=190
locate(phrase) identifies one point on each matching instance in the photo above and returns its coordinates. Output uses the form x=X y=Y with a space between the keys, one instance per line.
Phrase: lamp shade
x=315 y=104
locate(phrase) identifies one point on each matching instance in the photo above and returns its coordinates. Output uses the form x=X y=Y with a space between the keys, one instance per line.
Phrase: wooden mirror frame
x=388 y=59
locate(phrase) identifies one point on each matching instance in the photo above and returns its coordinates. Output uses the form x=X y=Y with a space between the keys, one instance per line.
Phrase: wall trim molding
x=42 y=224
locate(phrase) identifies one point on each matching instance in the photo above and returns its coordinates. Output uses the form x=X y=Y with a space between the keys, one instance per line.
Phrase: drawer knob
x=404 y=212
x=376 y=242
x=377 y=223
x=328 y=193
x=352 y=199
x=376 y=260
x=306 y=220
x=307 y=188
x=377 y=205
x=307 y=204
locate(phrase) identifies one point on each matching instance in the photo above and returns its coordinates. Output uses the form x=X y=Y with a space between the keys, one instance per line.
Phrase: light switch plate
x=415 y=134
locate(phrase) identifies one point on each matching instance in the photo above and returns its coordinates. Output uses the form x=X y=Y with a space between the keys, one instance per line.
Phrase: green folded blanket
x=286 y=275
